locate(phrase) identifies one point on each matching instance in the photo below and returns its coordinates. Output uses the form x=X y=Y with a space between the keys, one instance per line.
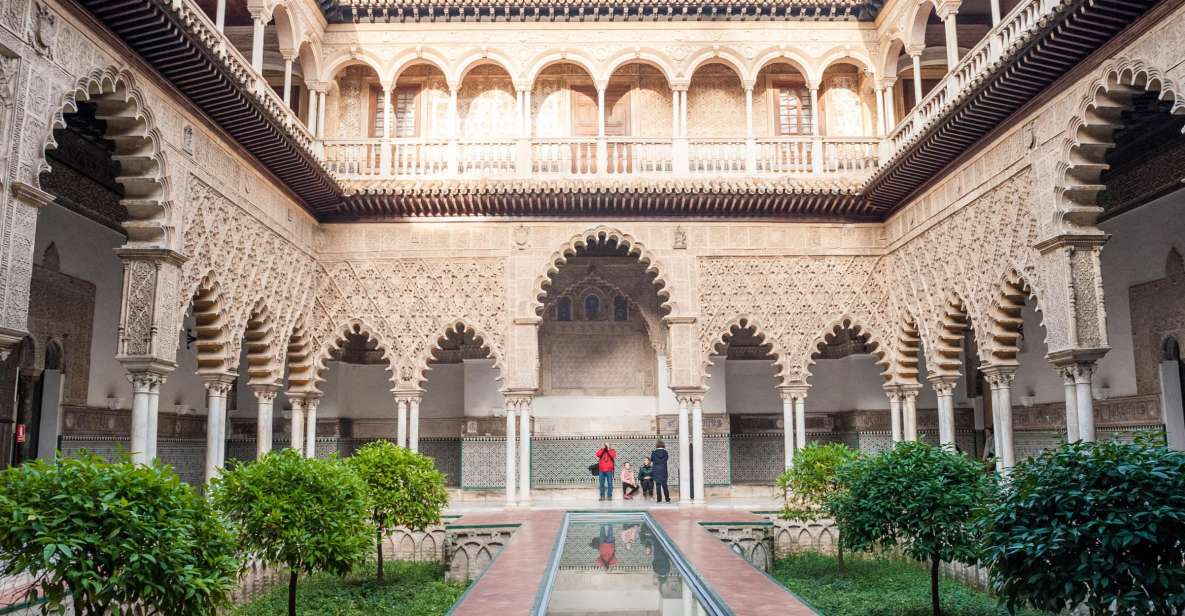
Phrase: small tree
x=921 y=498
x=307 y=514
x=405 y=489
x=109 y=535
x=1094 y=524
x=811 y=483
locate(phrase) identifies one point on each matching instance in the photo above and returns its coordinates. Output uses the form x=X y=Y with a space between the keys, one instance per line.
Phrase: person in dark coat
x=658 y=458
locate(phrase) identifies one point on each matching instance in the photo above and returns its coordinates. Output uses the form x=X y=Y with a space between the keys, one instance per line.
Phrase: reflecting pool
x=621 y=565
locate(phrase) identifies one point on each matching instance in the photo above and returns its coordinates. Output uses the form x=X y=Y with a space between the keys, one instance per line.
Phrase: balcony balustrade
x=545 y=158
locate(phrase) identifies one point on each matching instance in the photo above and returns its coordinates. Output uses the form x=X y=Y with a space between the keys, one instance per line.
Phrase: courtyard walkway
x=509 y=587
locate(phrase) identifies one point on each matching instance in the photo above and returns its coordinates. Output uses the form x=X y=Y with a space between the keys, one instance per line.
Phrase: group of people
x=651 y=478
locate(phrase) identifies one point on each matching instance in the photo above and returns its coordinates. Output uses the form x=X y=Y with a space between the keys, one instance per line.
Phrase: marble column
x=917 y=77
x=141 y=392
x=909 y=411
x=288 y=82
x=1000 y=378
x=750 y=135
x=890 y=107
x=310 y=430
x=454 y=132
x=952 y=41
x=684 y=450
x=1071 y=392
x=220 y=15
x=697 y=445
x=1084 y=400
x=511 y=476
x=944 y=386
x=296 y=425
x=524 y=450
x=882 y=123
x=153 y=434
x=401 y=422
x=602 y=144
x=413 y=425
x=815 y=129
x=787 y=426
x=311 y=123
x=217 y=387
x=257 y=43
x=265 y=398
x=800 y=418
x=894 y=394
x=321 y=114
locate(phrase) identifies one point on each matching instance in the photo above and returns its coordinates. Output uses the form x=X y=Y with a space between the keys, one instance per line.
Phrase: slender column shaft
x=675 y=114
x=413 y=426
x=952 y=42
x=602 y=144
x=895 y=416
x=1072 y=433
x=684 y=452
x=995 y=5
x=917 y=78
x=511 y=476
x=815 y=130
x=401 y=423
x=1007 y=453
x=788 y=429
x=683 y=128
x=520 y=118
x=320 y=115
x=749 y=113
x=996 y=423
x=220 y=15
x=153 y=420
x=909 y=408
x=287 y=82
x=296 y=426
x=945 y=388
x=881 y=121
x=524 y=451
x=310 y=430
x=1084 y=400
x=387 y=113
x=800 y=420
x=454 y=131
x=527 y=114
x=311 y=124
x=257 y=45
x=265 y=406
x=890 y=110
x=697 y=444
x=215 y=426
x=141 y=392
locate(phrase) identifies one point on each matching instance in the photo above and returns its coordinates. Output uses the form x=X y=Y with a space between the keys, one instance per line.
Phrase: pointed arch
x=1090 y=134
x=422 y=364
x=211 y=328
x=139 y=151
x=746 y=323
x=876 y=344
x=593 y=236
x=259 y=340
x=337 y=339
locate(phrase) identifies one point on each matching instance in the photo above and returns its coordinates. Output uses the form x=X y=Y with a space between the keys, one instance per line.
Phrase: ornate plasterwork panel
x=252 y=266
x=407 y=304
x=792 y=301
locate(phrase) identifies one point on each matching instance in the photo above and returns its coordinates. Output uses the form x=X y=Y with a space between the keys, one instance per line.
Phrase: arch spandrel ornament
x=417 y=371
x=754 y=326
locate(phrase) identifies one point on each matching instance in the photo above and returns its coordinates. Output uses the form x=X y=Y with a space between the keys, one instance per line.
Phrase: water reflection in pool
x=618 y=567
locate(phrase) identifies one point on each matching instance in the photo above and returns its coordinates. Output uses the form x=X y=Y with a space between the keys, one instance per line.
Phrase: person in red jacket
x=607 y=457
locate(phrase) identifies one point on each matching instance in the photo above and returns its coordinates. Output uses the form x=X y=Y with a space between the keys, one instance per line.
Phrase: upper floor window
x=621 y=310
x=592 y=307
x=792 y=102
x=403 y=112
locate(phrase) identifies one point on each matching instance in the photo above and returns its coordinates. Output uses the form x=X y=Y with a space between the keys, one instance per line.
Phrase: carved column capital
x=944 y=385
x=219 y=384
x=893 y=391
x=265 y=392
x=999 y=376
x=689 y=397
x=793 y=392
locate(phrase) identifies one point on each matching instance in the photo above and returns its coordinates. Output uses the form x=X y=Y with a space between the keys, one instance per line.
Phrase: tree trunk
x=292 y=575
x=934 y=602
x=839 y=555
x=379 y=543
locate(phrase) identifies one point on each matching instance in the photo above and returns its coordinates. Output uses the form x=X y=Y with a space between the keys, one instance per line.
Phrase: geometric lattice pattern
x=483 y=463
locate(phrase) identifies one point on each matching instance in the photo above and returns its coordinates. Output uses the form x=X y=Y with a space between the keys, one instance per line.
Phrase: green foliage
x=877 y=587
x=812 y=481
x=920 y=498
x=102 y=535
x=405 y=488
x=1092 y=524
x=413 y=589
x=308 y=514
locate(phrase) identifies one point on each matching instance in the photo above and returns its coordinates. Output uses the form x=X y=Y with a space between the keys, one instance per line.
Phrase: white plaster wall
x=852 y=383
x=444 y=393
x=716 y=400
x=752 y=386
x=482 y=388
x=1136 y=253
x=357 y=391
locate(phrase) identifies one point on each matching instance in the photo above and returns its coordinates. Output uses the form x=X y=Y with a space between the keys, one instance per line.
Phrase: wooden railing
x=556 y=157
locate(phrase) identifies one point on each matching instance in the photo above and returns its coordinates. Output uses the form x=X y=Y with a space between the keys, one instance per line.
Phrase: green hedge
x=409 y=589
x=878 y=587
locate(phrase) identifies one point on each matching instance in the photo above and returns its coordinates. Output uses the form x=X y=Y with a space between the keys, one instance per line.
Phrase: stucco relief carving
x=407 y=304
x=252 y=265
x=139 y=295
x=44 y=29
